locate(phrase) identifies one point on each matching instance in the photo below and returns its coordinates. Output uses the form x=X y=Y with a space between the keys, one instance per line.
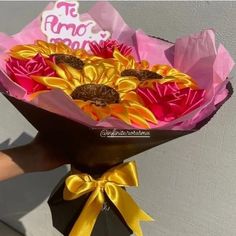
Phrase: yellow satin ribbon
x=111 y=184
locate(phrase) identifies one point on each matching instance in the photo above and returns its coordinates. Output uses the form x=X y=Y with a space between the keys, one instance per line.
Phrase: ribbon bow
x=111 y=184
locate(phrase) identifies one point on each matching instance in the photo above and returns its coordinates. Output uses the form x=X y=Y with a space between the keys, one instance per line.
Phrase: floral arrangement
x=130 y=81
x=106 y=82
x=132 y=69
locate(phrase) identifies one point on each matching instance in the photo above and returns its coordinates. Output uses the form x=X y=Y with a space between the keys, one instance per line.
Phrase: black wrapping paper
x=84 y=146
x=90 y=153
x=65 y=213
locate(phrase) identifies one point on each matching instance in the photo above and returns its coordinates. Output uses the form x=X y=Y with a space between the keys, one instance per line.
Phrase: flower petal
x=58 y=70
x=117 y=55
x=126 y=84
x=143 y=112
x=101 y=112
x=88 y=109
x=131 y=96
x=54 y=82
x=90 y=73
x=119 y=111
x=138 y=120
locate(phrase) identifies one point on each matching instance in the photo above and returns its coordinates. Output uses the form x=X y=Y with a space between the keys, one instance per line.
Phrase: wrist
x=20 y=160
x=9 y=168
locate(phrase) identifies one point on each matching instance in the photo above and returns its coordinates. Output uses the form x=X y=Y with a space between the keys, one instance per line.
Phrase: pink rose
x=105 y=49
x=168 y=102
x=20 y=71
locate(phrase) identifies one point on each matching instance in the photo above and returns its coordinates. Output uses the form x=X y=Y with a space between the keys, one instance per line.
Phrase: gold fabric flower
x=46 y=50
x=98 y=91
x=127 y=66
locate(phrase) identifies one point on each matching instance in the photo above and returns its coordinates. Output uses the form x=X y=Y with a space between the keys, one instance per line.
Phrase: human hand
x=36 y=156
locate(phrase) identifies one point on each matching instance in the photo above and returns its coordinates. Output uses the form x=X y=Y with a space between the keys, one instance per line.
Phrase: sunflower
x=127 y=66
x=168 y=102
x=172 y=75
x=121 y=62
x=98 y=91
x=46 y=50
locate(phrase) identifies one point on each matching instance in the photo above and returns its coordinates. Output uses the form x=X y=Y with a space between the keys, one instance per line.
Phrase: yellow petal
x=32 y=96
x=82 y=54
x=119 y=111
x=43 y=45
x=24 y=51
x=73 y=75
x=95 y=112
x=109 y=64
x=143 y=65
x=90 y=73
x=127 y=83
x=149 y=83
x=120 y=67
x=136 y=119
x=131 y=96
x=63 y=48
x=132 y=63
x=142 y=111
x=53 y=82
x=182 y=78
x=182 y=81
x=117 y=55
x=80 y=103
x=100 y=70
x=111 y=74
x=161 y=69
x=90 y=111
x=57 y=69
x=101 y=112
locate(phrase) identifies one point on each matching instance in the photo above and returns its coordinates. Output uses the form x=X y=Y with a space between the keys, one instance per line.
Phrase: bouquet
x=103 y=92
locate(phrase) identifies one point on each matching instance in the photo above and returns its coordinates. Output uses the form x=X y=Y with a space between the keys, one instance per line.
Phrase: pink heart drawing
x=104 y=35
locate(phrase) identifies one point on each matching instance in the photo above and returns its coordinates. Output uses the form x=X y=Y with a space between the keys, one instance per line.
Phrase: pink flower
x=168 y=102
x=20 y=71
x=106 y=48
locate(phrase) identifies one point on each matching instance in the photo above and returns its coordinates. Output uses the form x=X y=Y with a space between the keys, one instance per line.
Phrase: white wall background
x=188 y=185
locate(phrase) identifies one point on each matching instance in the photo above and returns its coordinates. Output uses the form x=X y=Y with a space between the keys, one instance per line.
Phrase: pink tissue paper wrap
x=196 y=55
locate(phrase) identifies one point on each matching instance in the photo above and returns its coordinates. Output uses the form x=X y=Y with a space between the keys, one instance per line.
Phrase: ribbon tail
x=87 y=219
x=130 y=211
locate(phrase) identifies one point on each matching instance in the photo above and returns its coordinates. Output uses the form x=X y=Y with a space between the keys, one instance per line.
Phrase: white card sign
x=63 y=24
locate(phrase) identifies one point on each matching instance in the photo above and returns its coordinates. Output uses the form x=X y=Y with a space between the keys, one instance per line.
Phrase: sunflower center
x=98 y=94
x=141 y=74
x=70 y=60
